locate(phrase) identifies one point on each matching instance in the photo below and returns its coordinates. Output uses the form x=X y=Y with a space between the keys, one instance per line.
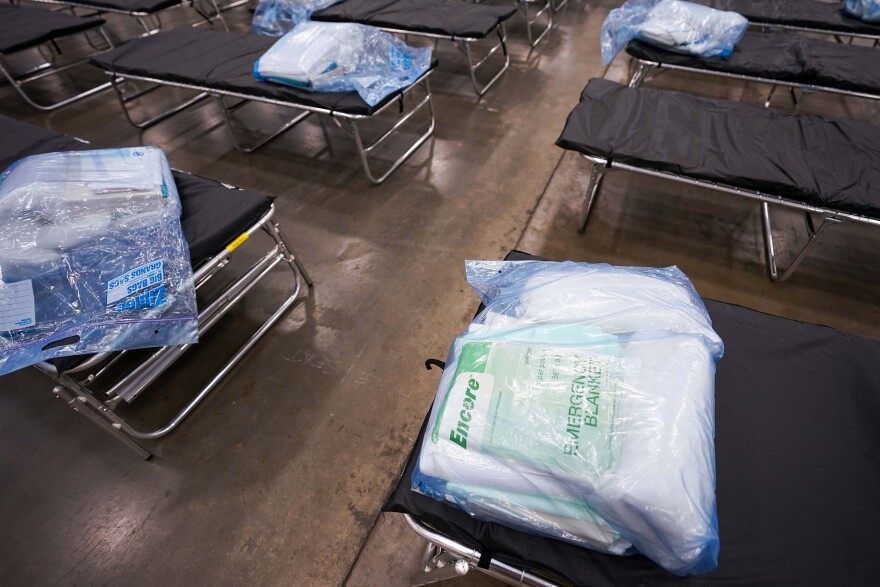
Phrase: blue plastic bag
x=866 y=10
x=343 y=57
x=277 y=17
x=92 y=256
x=679 y=26
x=579 y=404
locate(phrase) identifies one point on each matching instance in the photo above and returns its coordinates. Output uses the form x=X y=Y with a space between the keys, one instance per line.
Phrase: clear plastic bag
x=343 y=57
x=277 y=17
x=92 y=256
x=579 y=404
x=679 y=26
x=865 y=10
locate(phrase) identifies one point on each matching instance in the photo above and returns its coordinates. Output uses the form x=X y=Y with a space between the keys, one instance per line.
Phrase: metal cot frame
x=644 y=67
x=48 y=68
x=464 y=45
x=99 y=407
x=839 y=35
x=445 y=558
x=143 y=17
x=364 y=149
x=829 y=216
x=545 y=7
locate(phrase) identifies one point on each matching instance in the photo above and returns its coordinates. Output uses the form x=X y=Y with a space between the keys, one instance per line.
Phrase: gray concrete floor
x=278 y=479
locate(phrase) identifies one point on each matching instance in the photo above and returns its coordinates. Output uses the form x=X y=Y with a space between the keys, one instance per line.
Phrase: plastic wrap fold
x=864 y=10
x=684 y=27
x=343 y=57
x=579 y=404
x=92 y=256
x=276 y=17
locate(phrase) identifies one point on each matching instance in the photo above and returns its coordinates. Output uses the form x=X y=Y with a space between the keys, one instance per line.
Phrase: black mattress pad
x=829 y=163
x=811 y=14
x=454 y=18
x=223 y=61
x=23 y=27
x=212 y=214
x=784 y=57
x=131 y=6
x=797 y=463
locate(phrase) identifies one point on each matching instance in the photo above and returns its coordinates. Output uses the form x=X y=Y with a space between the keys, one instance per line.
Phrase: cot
x=811 y=16
x=148 y=13
x=813 y=165
x=797 y=474
x=25 y=29
x=462 y=23
x=220 y=65
x=217 y=220
x=792 y=61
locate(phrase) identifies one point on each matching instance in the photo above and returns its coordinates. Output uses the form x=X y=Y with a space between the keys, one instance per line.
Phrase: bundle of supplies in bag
x=579 y=404
x=683 y=27
x=92 y=256
x=865 y=10
x=276 y=17
x=343 y=57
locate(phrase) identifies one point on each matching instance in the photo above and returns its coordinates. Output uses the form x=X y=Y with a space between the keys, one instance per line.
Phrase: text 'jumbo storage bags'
x=865 y=10
x=92 y=256
x=579 y=404
x=679 y=26
x=343 y=57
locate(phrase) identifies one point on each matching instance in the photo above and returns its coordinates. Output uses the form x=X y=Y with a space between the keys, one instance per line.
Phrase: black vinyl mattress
x=784 y=57
x=829 y=163
x=814 y=14
x=223 y=61
x=798 y=470
x=133 y=6
x=440 y=17
x=23 y=27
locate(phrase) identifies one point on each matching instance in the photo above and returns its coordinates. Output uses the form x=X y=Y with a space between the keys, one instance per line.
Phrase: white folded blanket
x=580 y=405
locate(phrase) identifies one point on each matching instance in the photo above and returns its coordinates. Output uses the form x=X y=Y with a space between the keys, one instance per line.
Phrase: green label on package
x=548 y=407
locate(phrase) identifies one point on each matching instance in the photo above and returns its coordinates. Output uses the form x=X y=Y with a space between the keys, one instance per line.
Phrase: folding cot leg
x=770 y=96
x=87 y=406
x=558 y=7
x=117 y=82
x=546 y=9
x=274 y=230
x=437 y=565
x=364 y=150
x=814 y=235
x=208 y=18
x=640 y=74
x=472 y=67
x=227 y=113
x=47 y=70
x=591 y=193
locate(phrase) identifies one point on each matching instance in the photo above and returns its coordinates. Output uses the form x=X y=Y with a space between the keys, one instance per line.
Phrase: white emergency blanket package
x=92 y=256
x=679 y=26
x=579 y=404
x=343 y=57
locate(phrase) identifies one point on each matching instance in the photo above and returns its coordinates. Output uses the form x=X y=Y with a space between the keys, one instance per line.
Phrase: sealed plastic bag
x=865 y=10
x=580 y=405
x=277 y=17
x=343 y=57
x=683 y=27
x=92 y=256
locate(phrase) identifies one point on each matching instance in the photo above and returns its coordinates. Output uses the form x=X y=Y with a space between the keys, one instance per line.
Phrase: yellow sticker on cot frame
x=237 y=242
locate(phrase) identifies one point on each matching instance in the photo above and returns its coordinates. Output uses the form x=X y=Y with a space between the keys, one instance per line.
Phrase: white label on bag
x=140 y=278
x=17 y=305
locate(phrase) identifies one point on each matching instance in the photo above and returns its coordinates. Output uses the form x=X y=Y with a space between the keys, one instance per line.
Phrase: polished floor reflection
x=278 y=478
